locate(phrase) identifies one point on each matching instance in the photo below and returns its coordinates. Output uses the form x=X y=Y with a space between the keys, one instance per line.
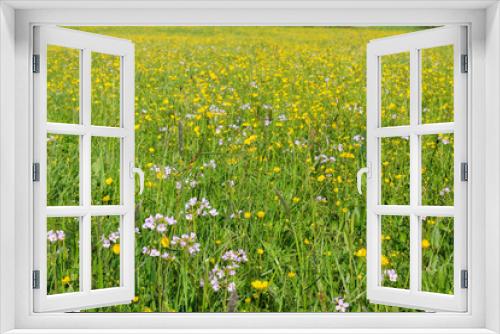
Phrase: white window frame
x=86 y=44
x=413 y=44
x=16 y=213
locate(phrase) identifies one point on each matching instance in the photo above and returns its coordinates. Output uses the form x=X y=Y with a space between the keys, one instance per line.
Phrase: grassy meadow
x=250 y=138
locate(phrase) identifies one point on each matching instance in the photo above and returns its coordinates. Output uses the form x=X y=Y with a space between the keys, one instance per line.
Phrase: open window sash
x=85 y=294
x=414 y=211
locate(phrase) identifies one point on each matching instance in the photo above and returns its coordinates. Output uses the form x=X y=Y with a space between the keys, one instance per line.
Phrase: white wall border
x=7 y=167
x=483 y=110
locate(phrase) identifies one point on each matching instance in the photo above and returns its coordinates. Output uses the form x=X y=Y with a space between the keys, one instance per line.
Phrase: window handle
x=135 y=170
x=359 y=176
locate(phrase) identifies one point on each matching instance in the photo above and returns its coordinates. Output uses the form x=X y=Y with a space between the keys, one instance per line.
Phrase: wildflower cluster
x=187 y=242
x=221 y=276
x=54 y=236
x=199 y=208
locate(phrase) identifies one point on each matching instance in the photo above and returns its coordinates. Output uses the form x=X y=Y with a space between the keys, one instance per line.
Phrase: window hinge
x=465 y=64
x=464 y=281
x=464 y=171
x=36 y=172
x=36 y=279
x=36 y=63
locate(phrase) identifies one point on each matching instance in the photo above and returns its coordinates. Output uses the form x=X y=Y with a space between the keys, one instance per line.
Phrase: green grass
x=269 y=106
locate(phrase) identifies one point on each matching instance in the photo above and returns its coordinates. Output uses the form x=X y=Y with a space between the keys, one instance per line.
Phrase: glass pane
x=105 y=252
x=395 y=89
x=63 y=255
x=105 y=89
x=105 y=171
x=63 y=84
x=63 y=170
x=395 y=257
x=437 y=84
x=395 y=170
x=437 y=254
x=437 y=169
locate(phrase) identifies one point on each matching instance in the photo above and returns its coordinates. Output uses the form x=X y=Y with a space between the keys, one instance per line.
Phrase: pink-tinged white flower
x=238 y=256
x=211 y=164
x=114 y=236
x=178 y=185
x=199 y=208
x=341 y=306
x=186 y=242
x=323 y=158
x=195 y=248
x=245 y=106
x=161 y=228
x=170 y=220
x=219 y=276
x=60 y=235
x=168 y=171
x=145 y=250
x=444 y=191
x=215 y=285
x=192 y=202
x=149 y=223
x=154 y=252
x=391 y=274
x=231 y=287
x=321 y=199
x=106 y=243
x=358 y=138
x=51 y=236
x=167 y=256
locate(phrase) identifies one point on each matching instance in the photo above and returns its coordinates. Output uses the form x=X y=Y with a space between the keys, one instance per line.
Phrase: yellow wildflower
x=291 y=274
x=360 y=252
x=108 y=181
x=116 y=249
x=66 y=280
x=347 y=155
x=261 y=214
x=106 y=198
x=165 y=242
x=247 y=215
x=260 y=285
x=197 y=130
x=321 y=178
x=250 y=140
x=260 y=251
x=425 y=244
